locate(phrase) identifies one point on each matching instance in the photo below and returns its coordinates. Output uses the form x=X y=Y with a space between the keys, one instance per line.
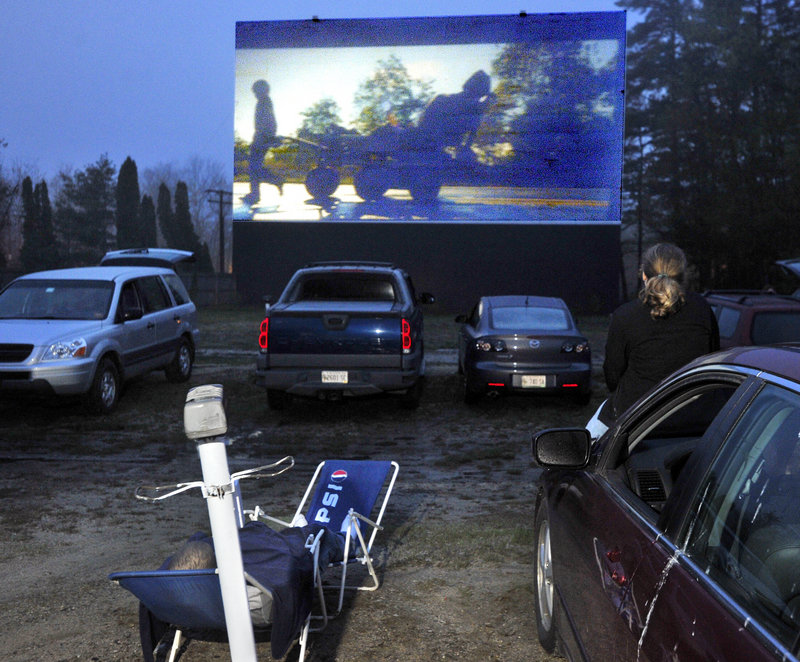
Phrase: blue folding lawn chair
x=342 y=496
x=335 y=531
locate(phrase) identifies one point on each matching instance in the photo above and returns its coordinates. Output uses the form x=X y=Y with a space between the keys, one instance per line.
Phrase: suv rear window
x=177 y=288
x=775 y=327
x=334 y=287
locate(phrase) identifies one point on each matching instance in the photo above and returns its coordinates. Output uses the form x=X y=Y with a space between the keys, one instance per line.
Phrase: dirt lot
x=455 y=557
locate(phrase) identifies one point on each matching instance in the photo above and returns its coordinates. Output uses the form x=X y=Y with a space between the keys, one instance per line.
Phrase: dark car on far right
x=753 y=317
x=676 y=534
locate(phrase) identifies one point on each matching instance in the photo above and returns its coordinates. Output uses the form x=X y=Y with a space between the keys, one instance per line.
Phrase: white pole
x=221 y=513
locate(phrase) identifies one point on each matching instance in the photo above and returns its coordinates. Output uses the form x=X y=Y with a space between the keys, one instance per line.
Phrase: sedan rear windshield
x=56 y=299
x=344 y=287
x=509 y=318
x=776 y=327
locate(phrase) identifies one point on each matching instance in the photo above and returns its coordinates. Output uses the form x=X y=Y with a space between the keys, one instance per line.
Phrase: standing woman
x=652 y=336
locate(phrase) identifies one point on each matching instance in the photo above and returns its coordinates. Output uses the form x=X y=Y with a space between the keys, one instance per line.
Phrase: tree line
x=97 y=209
x=712 y=147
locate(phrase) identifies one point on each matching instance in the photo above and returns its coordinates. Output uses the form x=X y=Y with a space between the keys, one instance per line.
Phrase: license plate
x=533 y=381
x=334 y=376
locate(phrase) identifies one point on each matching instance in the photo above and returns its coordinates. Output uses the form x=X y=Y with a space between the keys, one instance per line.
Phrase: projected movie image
x=524 y=127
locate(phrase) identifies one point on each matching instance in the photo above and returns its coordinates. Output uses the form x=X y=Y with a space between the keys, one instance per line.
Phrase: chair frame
x=362 y=545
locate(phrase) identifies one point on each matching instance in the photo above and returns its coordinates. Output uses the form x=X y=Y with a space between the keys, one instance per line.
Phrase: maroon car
x=676 y=536
x=755 y=318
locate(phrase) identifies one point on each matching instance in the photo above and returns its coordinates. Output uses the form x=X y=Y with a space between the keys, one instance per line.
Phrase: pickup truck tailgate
x=329 y=338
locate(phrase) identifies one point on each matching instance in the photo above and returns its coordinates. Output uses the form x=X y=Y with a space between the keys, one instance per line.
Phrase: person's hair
x=664 y=267
x=194 y=555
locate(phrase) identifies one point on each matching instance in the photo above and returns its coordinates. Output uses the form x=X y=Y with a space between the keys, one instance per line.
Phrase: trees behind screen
x=713 y=133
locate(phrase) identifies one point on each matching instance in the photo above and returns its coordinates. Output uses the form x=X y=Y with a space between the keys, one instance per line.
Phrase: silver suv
x=85 y=331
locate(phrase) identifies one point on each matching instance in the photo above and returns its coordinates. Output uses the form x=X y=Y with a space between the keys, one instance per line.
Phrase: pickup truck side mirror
x=268 y=300
x=462 y=319
x=426 y=297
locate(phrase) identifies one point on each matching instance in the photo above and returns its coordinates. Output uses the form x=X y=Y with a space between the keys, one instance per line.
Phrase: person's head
x=663 y=270
x=477 y=85
x=194 y=555
x=261 y=88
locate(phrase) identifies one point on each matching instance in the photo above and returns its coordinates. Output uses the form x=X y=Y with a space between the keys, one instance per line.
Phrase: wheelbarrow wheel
x=321 y=182
x=371 y=182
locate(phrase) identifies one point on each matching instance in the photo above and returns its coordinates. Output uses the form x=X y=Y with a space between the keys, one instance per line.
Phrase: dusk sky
x=154 y=80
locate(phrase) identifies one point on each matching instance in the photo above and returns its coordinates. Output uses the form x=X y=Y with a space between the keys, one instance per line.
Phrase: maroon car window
x=727 y=320
x=659 y=446
x=776 y=327
x=746 y=535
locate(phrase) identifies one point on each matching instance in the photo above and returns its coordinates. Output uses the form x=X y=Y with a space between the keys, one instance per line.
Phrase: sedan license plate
x=533 y=381
x=334 y=376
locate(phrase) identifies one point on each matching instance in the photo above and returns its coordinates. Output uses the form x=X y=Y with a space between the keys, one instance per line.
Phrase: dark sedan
x=523 y=344
x=676 y=536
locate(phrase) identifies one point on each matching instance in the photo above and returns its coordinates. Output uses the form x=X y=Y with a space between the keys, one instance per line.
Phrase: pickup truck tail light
x=263 y=335
x=406 y=332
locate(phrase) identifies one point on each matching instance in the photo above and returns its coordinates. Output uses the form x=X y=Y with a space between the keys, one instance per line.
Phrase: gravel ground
x=455 y=558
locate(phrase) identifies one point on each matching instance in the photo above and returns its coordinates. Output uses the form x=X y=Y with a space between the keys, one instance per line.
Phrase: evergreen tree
x=165 y=215
x=39 y=249
x=147 y=212
x=29 y=254
x=85 y=212
x=204 y=263
x=49 y=256
x=129 y=229
x=184 y=237
x=181 y=233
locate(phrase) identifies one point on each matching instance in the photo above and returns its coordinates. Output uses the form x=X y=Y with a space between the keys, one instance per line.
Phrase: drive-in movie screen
x=507 y=119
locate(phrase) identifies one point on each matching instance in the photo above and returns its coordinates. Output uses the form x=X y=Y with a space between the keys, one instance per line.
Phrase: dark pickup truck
x=343 y=329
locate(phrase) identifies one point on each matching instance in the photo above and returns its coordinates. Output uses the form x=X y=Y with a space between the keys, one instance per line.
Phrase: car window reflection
x=747 y=532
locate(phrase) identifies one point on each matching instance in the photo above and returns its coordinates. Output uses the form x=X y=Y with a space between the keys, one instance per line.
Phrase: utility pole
x=222 y=198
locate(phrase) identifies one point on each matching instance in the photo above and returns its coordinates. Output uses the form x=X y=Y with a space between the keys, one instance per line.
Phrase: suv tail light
x=263 y=335
x=406 y=332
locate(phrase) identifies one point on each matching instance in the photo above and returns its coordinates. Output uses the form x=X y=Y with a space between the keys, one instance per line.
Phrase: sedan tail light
x=577 y=347
x=263 y=335
x=490 y=345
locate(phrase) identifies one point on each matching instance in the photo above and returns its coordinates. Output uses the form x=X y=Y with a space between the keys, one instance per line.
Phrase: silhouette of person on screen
x=266 y=127
x=451 y=120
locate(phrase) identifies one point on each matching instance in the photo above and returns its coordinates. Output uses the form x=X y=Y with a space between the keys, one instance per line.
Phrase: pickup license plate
x=533 y=381
x=334 y=376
